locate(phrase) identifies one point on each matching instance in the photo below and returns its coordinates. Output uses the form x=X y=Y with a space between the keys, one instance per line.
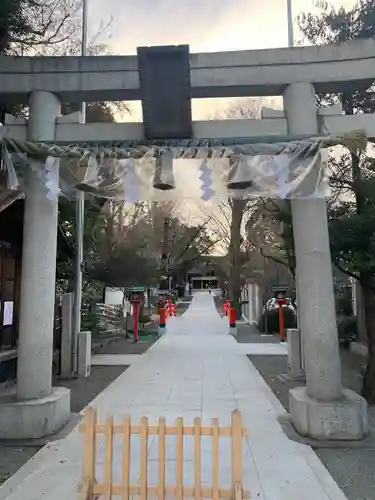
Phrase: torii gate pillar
x=322 y=409
x=37 y=409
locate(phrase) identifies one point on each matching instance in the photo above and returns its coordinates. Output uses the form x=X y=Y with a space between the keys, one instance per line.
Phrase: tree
x=178 y=242
x=128 y=264
x=119 y=255
x=26 y=24
x=137 y=234
x=51 y=28
x=96 y=112
x=227 y=225
x=352 y=232
x=270 y=231
x=13 y=22
x=236 y=218
x=246 y=108
x=229 y=219
x=352 y=219
x=339 y=25
x=67 y=218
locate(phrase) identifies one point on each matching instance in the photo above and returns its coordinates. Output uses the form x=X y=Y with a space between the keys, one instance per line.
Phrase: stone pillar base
x=295 y=354
x=233 y=331
x=345 y=419
x=35 y=418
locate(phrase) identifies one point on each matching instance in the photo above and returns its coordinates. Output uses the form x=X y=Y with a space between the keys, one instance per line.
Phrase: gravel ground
x=249 y=334
x=123 y=346
x=353 y=468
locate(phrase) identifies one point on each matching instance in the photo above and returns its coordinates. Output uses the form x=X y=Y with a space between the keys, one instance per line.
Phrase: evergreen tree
x=14 y=22
x=352 y=213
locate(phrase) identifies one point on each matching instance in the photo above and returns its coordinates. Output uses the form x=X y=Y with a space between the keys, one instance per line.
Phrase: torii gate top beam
x=226 y=74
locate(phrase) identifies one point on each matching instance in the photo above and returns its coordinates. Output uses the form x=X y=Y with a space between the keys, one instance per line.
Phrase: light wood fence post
x=89 y=453
x=236 y=427
x=126 y=458
x=162 y=432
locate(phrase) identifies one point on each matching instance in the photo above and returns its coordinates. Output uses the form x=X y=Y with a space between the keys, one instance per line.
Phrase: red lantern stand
x=226 y=308
x=174 y=309
x=136 y=305
x=232 y=316
x=281 y=302
x=168 y=309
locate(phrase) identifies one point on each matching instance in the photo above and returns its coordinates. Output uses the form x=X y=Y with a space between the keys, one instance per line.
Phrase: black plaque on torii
x=164 y=76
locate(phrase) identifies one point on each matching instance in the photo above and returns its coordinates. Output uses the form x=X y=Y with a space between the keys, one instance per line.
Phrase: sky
x=206 y=25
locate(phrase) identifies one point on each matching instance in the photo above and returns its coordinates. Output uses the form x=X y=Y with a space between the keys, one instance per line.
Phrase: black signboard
x=164 y=75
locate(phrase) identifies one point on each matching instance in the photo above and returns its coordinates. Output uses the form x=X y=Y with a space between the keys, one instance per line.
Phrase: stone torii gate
x=322 y=409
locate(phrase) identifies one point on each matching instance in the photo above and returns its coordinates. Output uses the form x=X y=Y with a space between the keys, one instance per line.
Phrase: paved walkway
x=197 y=369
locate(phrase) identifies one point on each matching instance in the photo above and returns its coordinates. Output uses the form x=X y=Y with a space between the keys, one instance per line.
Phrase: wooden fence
x=91 y=489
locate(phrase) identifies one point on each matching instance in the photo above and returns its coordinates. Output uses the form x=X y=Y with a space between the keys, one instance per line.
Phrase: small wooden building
x=11 y=237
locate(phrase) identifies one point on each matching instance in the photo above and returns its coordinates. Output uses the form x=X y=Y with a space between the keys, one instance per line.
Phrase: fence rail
x=107 y=489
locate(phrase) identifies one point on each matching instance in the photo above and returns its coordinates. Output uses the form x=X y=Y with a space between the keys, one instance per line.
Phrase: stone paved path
x=197 y=369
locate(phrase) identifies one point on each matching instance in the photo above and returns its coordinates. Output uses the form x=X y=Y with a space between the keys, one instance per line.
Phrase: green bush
x=144 y=318
x=90 y=321
x=290 y=320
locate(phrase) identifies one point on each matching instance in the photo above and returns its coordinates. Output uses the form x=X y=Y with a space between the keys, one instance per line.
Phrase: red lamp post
x=136 y=303
x=282 y=302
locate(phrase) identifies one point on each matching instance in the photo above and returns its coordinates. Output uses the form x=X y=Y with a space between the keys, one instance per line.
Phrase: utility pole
x=80 y=210
x=291 y=44
x=290 y=23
